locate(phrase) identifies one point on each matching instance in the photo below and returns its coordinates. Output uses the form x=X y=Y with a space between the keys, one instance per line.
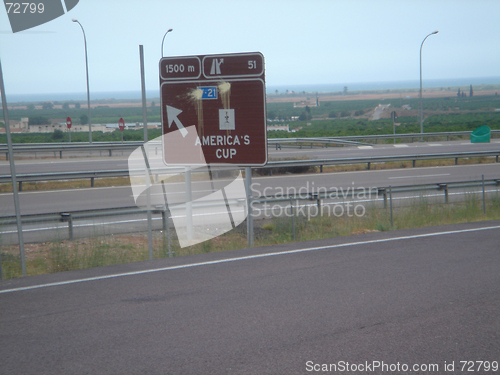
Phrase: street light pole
x=169 y=30
x=420 y=99
x=87 y=71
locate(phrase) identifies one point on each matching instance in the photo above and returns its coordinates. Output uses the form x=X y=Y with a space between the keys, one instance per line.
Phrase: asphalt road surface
x=425 y=299
x=120 y=162
x=33 y=202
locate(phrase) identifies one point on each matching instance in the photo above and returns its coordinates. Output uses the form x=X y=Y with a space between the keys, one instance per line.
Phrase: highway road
x=425 y=298
x=35 y=202
x=120 y=162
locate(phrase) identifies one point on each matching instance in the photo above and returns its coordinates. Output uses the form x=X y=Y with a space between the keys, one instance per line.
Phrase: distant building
x=23 y=126
x=285 y=128
x=20 y=126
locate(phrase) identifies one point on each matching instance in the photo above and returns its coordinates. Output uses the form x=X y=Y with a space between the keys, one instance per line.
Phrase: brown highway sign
x=223 y=99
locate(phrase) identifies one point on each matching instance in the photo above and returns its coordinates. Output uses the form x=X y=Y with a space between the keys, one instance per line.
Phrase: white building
x=285 y=128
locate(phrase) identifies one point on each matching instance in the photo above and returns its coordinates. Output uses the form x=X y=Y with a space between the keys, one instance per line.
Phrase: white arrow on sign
x=172 y=114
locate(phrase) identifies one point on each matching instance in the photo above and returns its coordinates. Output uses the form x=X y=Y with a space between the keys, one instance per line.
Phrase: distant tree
x=84 y=119
x=271 y=115
x=38 y=120
x=308 y=112
x=58 y=134
x=77 y=105
x=458 y=93
x=471 y=91
x=31 y=107
x=345 y=90
x=65 y=105
x=303 y=116
x=153 y=104
x=47 y=105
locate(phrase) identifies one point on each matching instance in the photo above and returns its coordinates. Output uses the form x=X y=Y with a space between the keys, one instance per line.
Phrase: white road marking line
x=220 y=261
x=420 y=176
x=400 y=145
x=365 y=147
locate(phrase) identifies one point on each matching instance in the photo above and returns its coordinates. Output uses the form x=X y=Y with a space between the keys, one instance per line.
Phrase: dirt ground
x=297 y=98
x=428 y=93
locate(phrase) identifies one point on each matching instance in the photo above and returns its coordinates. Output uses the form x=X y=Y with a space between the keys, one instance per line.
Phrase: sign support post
x=68 y=124
x=146 y=152
x=248 y=184
x=13 y=174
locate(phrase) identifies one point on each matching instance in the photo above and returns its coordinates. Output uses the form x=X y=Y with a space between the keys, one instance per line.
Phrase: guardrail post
x=445 y=188
x=165 y=213
x=20 y=186
x=456 y=161
x=66 y=217
x=60 y=154
x=92 y=181
x=315 y=196
x=167 y=229
x=321 y=168
x=110 y=152
x=368 y=165
x=414 y=163
x=390 y=204
x=384 y=193
x=497 y=158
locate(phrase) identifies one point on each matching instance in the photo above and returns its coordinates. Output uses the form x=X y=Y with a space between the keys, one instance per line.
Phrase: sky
x=303 y=41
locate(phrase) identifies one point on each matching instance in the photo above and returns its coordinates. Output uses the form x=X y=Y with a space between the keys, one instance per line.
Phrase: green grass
x=102 y=250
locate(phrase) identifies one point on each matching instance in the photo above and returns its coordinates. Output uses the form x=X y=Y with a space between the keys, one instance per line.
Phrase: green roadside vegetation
x=102 y=250
x=350 y=118
x=330 y=119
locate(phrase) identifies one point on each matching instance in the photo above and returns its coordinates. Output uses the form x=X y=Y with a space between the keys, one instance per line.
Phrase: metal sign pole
x=146 y=154
x=248 y=184
x=143 y=87
x=13 y=174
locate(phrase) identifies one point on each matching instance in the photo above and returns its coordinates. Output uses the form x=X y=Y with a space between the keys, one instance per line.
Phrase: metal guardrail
x=92 y=175
x=110 y=147
x=319 y=196
x=299 y=142
x=356 y=139
x=414 y=135
x=382 y=159
x=59 y=148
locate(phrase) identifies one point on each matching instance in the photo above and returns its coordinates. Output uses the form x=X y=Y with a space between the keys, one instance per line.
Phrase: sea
x=271 y=89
